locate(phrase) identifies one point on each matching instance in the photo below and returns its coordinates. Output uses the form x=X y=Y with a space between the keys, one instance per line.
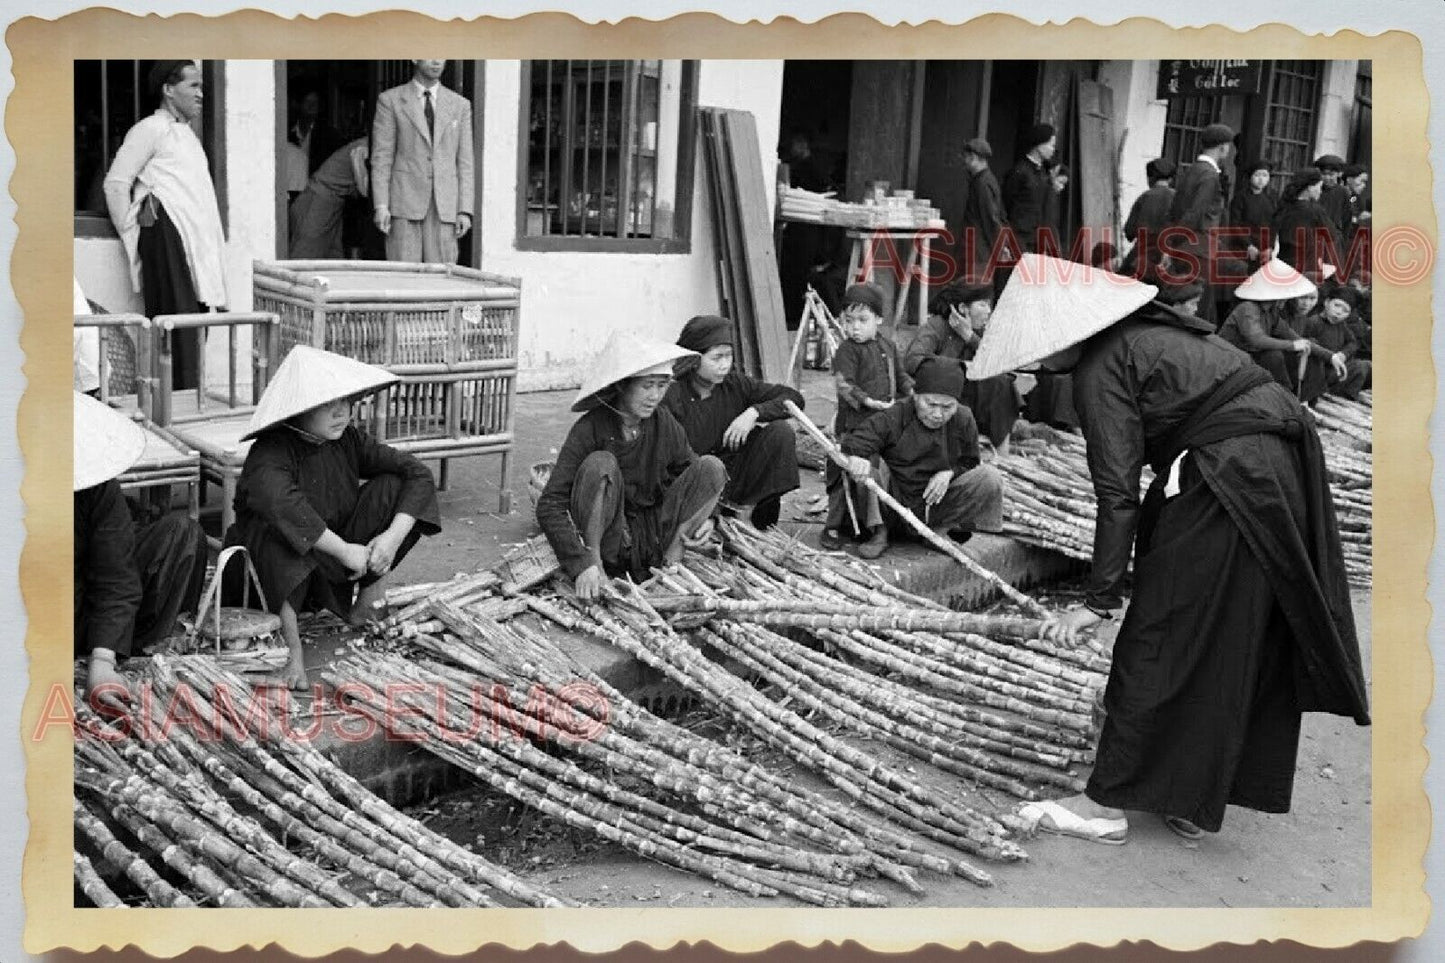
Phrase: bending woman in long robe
x=1240 y=618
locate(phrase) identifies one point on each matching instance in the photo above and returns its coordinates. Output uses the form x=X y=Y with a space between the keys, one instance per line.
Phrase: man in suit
x=421 y=167
x=1194 y=217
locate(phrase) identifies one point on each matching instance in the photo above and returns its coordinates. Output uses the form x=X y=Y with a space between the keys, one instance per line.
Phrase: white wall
x=1337 y=107
x=572 y=301
x=1138 y=122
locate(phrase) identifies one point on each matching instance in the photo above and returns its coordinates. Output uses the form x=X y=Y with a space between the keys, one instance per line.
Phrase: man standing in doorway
x=421 y=167
x=1195 y=215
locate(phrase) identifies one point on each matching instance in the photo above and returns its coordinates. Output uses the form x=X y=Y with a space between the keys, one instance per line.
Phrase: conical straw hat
x=1275 y=280
x=106 y=443
x=1048 y=305
x=625 y=355
x=309 y=378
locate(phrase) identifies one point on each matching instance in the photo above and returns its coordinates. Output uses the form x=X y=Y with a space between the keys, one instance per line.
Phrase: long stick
x=928 y=534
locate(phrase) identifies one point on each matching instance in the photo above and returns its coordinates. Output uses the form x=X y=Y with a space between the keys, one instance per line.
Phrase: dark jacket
x=107 y=589
x=983 y=217
x=1147 y=218
x=706 y=419
x=914 y=452
x=650 y=463
x=872 y=369
x=1026 y=191
x=1307 y=236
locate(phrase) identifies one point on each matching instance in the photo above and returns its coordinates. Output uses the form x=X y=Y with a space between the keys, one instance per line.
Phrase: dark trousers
x=974 y=501
x=167 y=288
x=766 y=465
x=1281 y=365
x=634 y=538
x=995 y=405
x=171 y=557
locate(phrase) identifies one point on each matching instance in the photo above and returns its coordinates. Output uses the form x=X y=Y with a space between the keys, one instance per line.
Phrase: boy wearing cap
x=1334 y=195
x=868 y=376
x=1196 y=213
x=322 y=507
x=983 y=217
x=1330 y=328
x=1147 y=218
x=130 y=586
x=928 y=447
x=627 y=493
x=1027 y=186
x=740 y=420
x=952 y=332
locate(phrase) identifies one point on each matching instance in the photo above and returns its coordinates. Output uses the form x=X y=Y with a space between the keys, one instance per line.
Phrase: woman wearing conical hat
x=627 y=492
x=1260 y=323
x=130 y=586
x=323 y=508
x=1240 y=615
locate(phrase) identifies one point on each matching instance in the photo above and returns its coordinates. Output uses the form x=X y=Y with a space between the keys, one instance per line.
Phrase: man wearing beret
x=1026 y=188
x=983 y=217
x=1196 y=213
x=928 y=446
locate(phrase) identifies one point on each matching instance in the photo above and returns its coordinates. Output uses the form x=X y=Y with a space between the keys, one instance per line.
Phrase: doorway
x=343 y=94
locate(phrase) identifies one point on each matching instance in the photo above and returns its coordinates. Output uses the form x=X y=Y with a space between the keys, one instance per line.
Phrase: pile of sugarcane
x=1345 y=430
x=1049 y=496
x=977 y=697
x=202 y=813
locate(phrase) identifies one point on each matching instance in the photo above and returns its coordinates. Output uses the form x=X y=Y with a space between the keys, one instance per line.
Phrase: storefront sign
x=1193 y=78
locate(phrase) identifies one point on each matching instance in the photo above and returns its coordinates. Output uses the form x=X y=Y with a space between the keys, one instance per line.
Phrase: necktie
x=431 y=117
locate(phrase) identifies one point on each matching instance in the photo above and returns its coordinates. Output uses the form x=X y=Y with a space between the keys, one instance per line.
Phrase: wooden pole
x=929 y=535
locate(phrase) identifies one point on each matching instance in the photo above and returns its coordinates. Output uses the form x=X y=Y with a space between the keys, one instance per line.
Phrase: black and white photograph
x=726 y=484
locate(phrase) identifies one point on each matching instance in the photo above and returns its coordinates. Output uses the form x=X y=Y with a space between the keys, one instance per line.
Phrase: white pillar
x=1138 y=123
x=1336 y=108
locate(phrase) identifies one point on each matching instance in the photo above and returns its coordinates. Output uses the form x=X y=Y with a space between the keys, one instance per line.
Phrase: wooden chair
x=213 y=423
x=125 y=364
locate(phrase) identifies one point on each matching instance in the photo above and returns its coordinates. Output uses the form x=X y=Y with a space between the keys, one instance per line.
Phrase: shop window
x=110 y=96
x=1290 y=113
x=1187 y=117
x=606 y=155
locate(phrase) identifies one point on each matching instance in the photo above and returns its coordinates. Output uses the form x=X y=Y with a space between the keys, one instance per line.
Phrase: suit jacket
x=408 y=168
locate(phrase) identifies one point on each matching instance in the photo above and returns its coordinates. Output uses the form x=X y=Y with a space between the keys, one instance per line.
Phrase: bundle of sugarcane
x=629 y=623
x=213 y=811
x=874 y=707
x=736 y=795
x=644 y=824
x=1352 y=419
x=1035 y=681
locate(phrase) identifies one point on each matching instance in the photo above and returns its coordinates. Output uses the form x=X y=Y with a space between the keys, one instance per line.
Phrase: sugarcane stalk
x=933 y=538
x=93 y=886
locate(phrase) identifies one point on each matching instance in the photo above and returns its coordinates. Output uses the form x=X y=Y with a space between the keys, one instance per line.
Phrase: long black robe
x=983 y=219
x=1026 y=190
x=293 y=489
x=1240 y=618
x=759 y=468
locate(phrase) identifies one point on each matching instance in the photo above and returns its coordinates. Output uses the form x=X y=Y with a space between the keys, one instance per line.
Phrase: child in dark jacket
x=868 y=376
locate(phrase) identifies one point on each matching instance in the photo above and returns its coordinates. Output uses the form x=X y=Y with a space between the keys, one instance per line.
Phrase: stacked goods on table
x=1049 y=497
x=977 y=697
x=225 y=808
x=899 y=210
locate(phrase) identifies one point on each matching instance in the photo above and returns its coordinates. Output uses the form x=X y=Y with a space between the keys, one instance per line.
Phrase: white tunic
x=162 y=156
